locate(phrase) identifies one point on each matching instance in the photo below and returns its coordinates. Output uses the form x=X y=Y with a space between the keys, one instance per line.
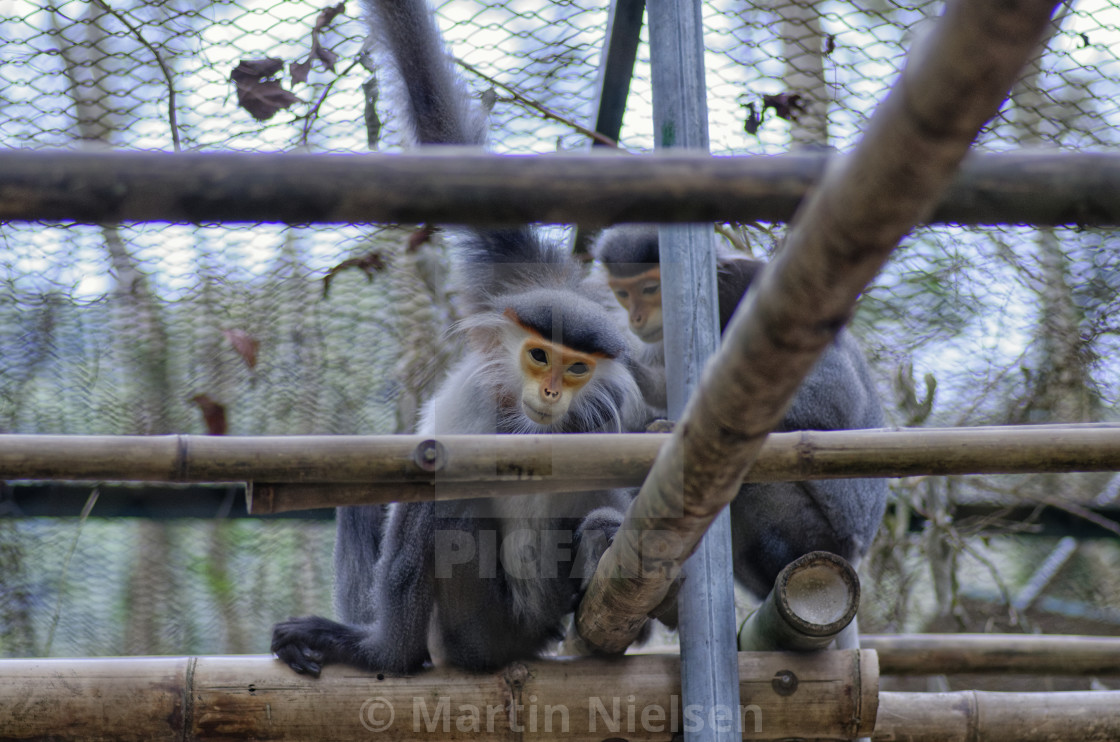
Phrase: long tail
x=439 y=109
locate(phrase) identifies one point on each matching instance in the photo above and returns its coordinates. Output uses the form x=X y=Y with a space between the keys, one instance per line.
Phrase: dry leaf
x=257 y=93
x=245 y=344
x=213 y=414
x=369 y=264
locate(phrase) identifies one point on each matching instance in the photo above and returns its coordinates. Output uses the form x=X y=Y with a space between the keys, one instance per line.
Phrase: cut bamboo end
x=814 y=598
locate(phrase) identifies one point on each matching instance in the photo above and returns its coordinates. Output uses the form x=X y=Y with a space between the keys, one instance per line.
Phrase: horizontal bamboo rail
x=409 y=467
x=972 y=716
x=995 y=654
x=831 y=694
x=471 y=187
x=637 y=698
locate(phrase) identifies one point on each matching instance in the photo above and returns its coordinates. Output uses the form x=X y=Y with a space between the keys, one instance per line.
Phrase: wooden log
x=1002 y=654
x=972 y=716
x=814 y=598
x=470 y=187
x=831 y=694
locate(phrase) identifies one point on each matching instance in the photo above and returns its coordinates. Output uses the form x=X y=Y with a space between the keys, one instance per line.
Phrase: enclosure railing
x=1040 y=187
x=299 y=472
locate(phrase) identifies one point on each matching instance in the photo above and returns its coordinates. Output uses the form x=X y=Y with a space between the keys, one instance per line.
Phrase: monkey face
x=640 y=296
x=552 y=375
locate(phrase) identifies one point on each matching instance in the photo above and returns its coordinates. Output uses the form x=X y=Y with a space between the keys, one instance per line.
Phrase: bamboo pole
x=999 y=654
x=259 y=698
x=866 y=202
x=830 y=694
x=813 y=599
x=495 y=465
x=971 y=716
x=585 y=463
x=469 y=187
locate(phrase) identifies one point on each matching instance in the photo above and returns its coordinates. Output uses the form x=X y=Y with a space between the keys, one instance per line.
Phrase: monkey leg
x=774 y=523
x=397 y=610
x=357 y=549
x=504 y=599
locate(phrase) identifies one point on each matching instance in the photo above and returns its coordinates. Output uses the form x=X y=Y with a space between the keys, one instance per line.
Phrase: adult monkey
x=480 y=583
x=772 y=523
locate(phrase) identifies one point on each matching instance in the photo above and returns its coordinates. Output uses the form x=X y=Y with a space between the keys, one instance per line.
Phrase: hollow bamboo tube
x=813 y=599
x=1003 y=654
x=259 y=698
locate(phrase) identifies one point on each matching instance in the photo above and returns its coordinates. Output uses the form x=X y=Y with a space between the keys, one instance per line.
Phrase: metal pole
x=616 y=70
x=616 y=67
x=709 y=669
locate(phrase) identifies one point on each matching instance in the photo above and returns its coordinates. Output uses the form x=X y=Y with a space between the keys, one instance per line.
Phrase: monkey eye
x=538 y=355
x=579 y=368
x=652 y=289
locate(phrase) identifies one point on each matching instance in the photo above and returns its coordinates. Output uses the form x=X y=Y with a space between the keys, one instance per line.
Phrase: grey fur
x=476 y=583
x=434 y=98
x=628 y=249
x=774 y=523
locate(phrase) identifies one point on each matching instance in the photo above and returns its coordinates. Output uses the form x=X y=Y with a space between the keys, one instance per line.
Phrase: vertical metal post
x=709 y=665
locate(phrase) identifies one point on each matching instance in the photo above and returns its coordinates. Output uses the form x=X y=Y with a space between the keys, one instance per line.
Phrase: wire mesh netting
x=98 y=72
x=263 y=329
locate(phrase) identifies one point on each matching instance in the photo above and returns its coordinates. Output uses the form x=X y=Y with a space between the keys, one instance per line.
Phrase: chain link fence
x=263 y=329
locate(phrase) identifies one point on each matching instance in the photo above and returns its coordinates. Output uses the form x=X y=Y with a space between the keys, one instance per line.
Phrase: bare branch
x=172 y=118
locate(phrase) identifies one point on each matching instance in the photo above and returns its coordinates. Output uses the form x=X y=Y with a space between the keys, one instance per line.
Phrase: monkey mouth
x=651 y=337
x=537 y=416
